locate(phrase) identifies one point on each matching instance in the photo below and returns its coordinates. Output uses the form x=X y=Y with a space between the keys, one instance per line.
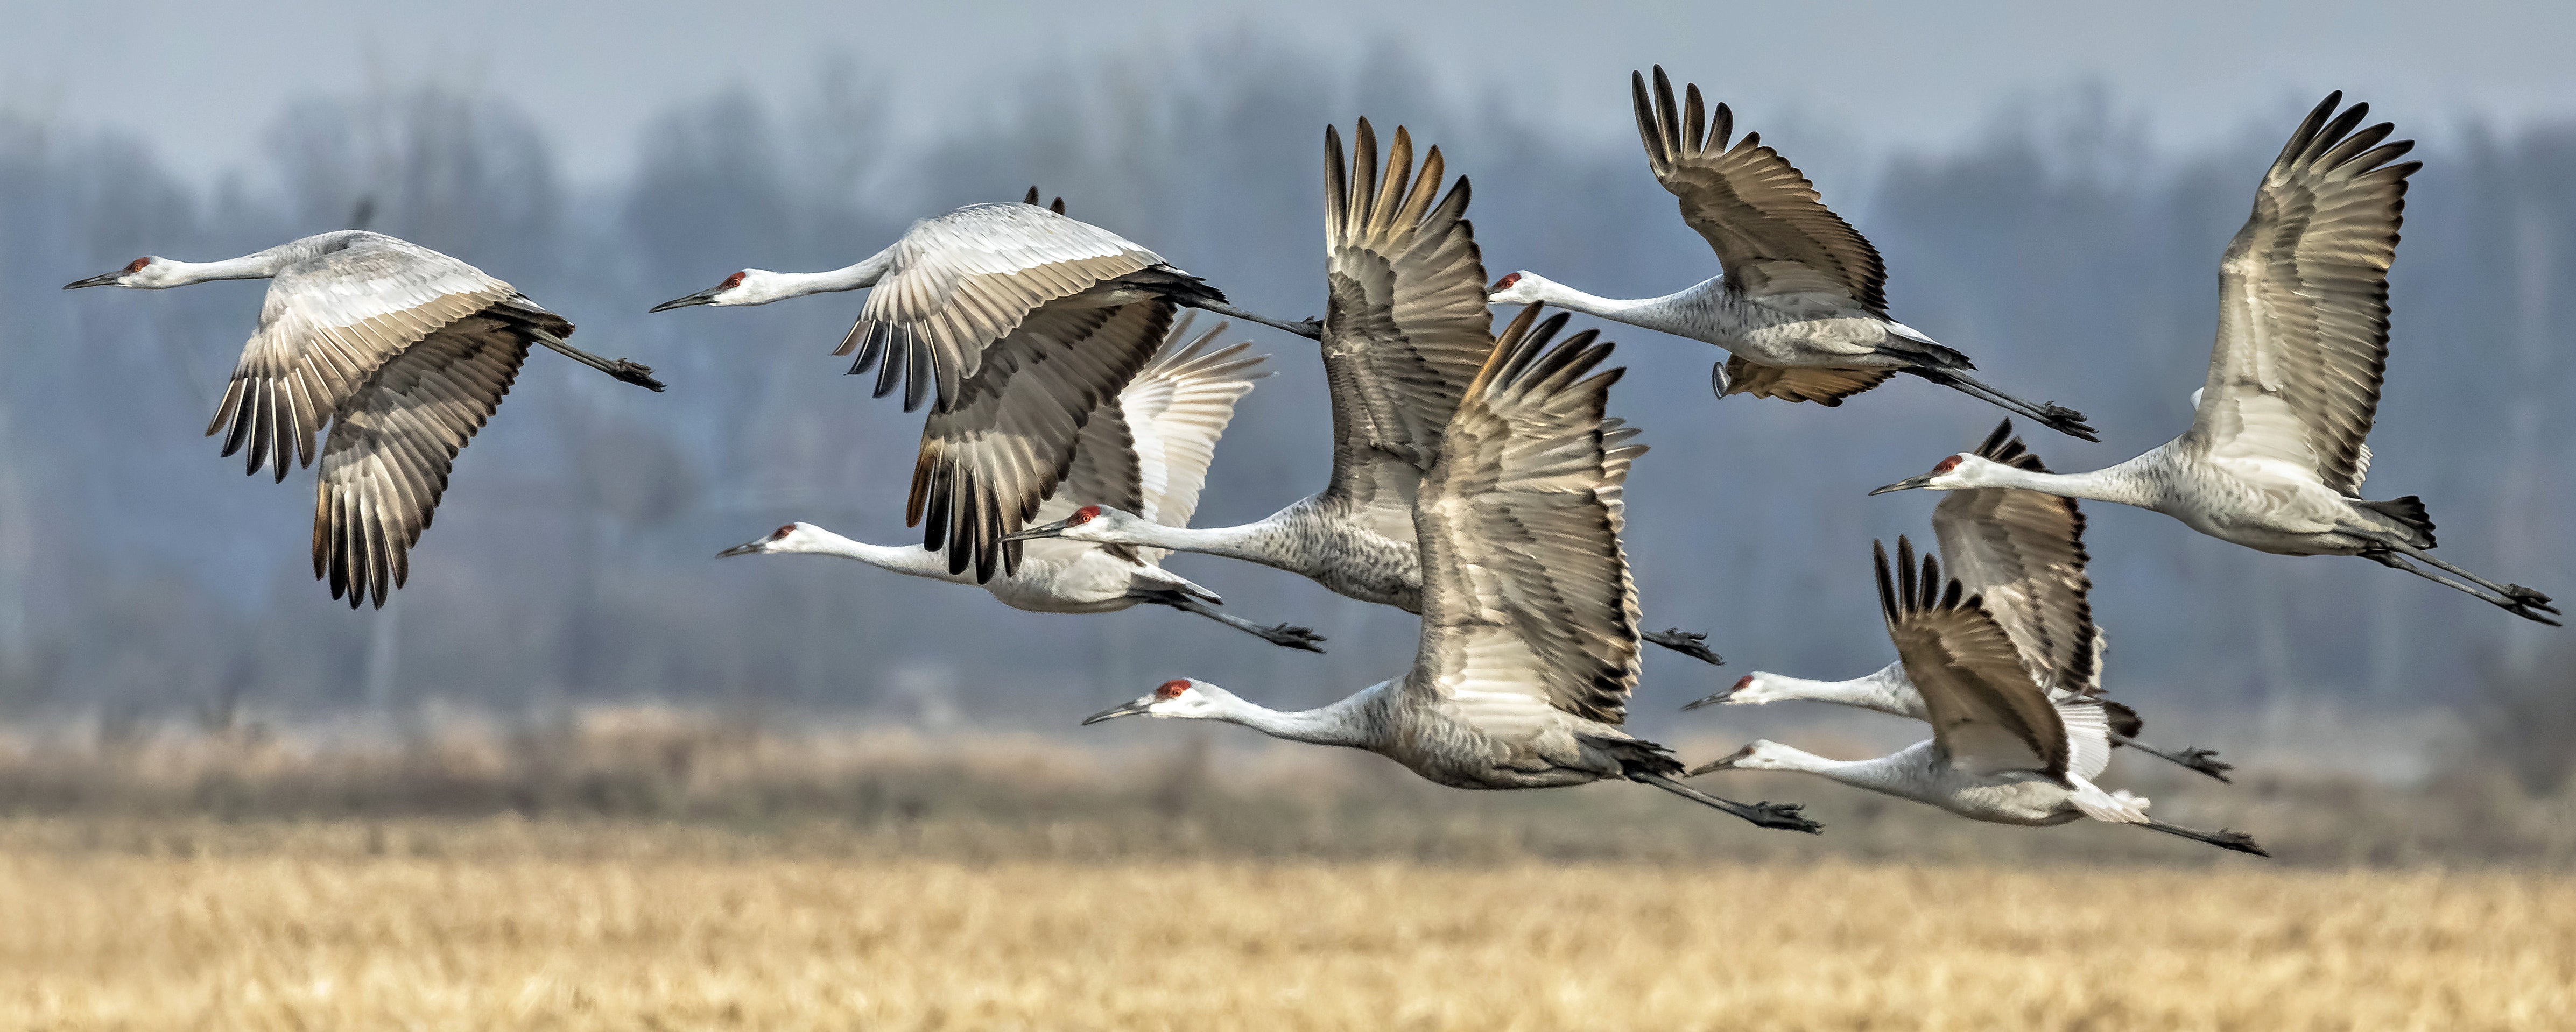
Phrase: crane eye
x=1946 y=465
x=1506 y=282
x=136 y=265
x=1086 y=514
x=781 y=533
x=1171 y=689
x=731 y=282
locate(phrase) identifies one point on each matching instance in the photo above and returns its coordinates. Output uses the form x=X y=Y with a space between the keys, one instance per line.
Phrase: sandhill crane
x=1405 y=330
x=403 y=350
x=1025 y=322
x=2274 y=457
x=1529 y=621
x=2023 y=553
x=1149 y=446
x=1801 y=305
x=2002 y=750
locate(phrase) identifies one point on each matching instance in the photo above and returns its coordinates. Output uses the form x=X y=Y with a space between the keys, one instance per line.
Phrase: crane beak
x=1728 y=695
x=1717 y=765
x=703 y=297
x=104 y=279
x=745 y=548
x=1906 y=484
x=1123 y=710
x=1033 y=533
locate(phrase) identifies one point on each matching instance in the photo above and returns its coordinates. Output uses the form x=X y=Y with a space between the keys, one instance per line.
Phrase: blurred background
x=2051 y=188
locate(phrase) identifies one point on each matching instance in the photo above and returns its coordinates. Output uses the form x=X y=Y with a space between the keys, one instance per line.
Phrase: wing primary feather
x=1363 y=177
x=1905 y=582
x=1694 y=115
x=1886 y=587
x=1667 y=119
x=1646 y=131
x=1337 y=189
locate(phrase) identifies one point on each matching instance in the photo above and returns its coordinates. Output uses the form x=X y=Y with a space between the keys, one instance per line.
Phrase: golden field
x=508 y=923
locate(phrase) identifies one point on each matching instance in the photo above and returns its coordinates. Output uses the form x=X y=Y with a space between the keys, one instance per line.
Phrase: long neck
x=261 y=265
x=1696 y=312
x=1264 y=541
x=2136 y=482
x=1343 y=723
x=1895 y=775
x=1887 y=691
x=865 y=274
x=910 y=559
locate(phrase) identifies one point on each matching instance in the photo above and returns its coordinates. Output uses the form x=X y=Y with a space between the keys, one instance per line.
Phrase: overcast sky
x=200 y=80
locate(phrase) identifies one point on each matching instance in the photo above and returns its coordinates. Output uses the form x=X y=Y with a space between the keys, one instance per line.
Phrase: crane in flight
x=1800 y=303
x=1529 y=619
x=1405 y=329
x=1150 y=447
x=403 y=351
x=2003 y=750
x=2022 y=552
x=1015 y=323
x=2275 y=455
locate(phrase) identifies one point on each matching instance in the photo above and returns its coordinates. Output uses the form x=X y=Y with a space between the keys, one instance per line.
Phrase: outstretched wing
x=385 y=465
x=1405 y=328
x=956 y=285
x=1827 y=387
x=2303 y=302
x=2022 y=553
x=1987 y=715
x=1771 y=231
x=328 y=323
x=1177 y=408
x=1525 y=590
x=1009 y=438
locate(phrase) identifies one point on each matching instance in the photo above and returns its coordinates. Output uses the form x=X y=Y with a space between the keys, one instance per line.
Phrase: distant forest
x=572 y=560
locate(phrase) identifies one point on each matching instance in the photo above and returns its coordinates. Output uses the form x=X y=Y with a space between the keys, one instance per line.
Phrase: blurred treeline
x=570 y=563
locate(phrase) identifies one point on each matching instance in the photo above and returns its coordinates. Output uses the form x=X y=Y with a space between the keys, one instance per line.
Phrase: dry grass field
x=505 y=923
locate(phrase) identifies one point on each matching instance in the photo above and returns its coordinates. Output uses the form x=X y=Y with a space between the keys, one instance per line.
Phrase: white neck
x=1343 y=723
x=1693 y=313
x=864 y=274
x=261 y=265
x=2130 y=483
x=1887 y=691
x=1899 y=774
x=1254 y=542
x=908 y=559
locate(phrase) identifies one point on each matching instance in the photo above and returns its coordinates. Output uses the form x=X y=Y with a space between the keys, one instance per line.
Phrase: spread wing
x=956 y=285
x=328 y=322
x=1009 y=438
x=2022 y=554
x=1827 y=387
x=1405 y=328
x=1771 y=231
x=386 y=462
x=1987 y=715
x=1526 y=596
x=1176 y=409
x=2303 y=302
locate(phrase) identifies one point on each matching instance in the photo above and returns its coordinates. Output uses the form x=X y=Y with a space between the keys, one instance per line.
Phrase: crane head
x=1182 y=698
x=1763 y=754
x=137 y=274
x=1751 y=689
x=747 y=287
x=1100 y=524
x=1963 y=470
x=1519 y=288
x=794 y=537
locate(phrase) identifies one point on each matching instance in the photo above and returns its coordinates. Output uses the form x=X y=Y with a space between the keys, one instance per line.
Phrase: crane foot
x=1688 y=643
x=1291 y=636
x=1784 y=816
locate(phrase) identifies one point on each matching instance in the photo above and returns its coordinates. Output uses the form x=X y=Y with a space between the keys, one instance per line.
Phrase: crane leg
x=2052 y=415
x=2222 y=838
x=1281 y=634
x=2522 y=605
x=636 y=373
x=1768 y=815
x=1310 y=329
x=1688 y=643
x=2203 y=760
x=2515 y=592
